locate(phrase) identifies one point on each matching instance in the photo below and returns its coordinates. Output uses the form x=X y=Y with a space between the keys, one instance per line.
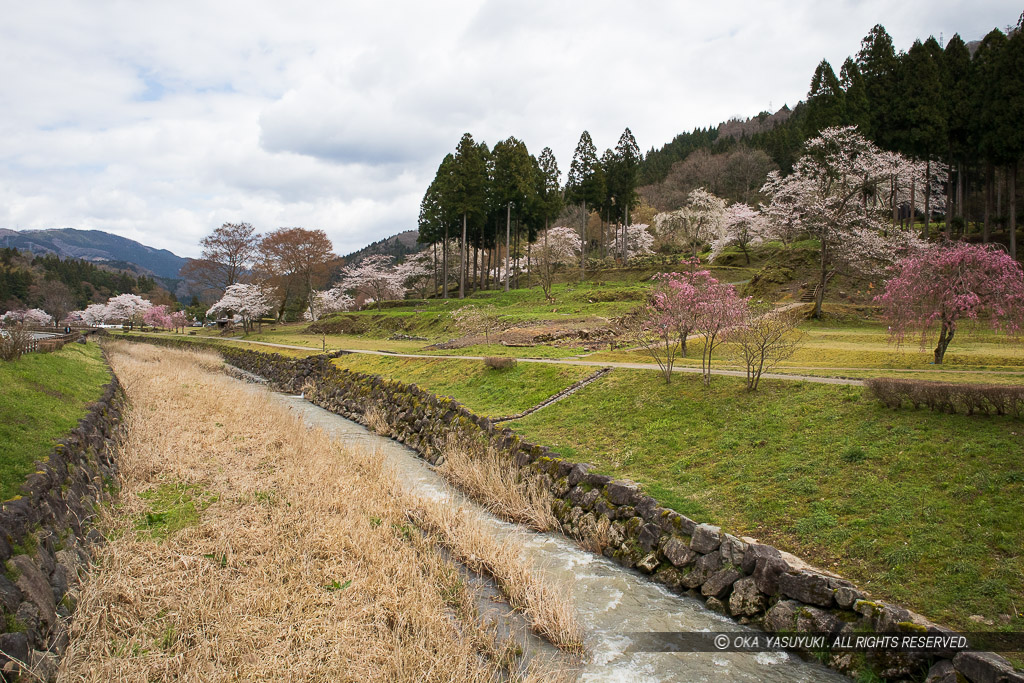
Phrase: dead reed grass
x=491 y=479
x=303 y=567
x=544 y=605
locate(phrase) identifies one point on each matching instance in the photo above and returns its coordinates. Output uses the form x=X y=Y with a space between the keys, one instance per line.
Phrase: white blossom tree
x=557 y=246
x=31 y=316
x=834 y=194
x=704 y=213
x=326 y=302
x=94 y=314
x=742 y=226
x=374 y=277
x=251 y=302
x=126 y=309
x=417 y=271
x=637 y=240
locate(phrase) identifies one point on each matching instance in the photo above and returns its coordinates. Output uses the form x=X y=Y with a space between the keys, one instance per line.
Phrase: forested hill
x=958 y=104
x=96 y=246
x=61 y=285
x=399 y=246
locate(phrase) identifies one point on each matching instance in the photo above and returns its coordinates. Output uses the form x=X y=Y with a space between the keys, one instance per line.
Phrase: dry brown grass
x=544 y=605
x=303 y=567
x=489 y=478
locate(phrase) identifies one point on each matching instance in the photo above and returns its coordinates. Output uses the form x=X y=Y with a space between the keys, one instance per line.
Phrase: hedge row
x=946 y=397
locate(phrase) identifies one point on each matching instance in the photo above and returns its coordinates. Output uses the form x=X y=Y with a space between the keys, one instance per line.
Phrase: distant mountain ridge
x=95 y=246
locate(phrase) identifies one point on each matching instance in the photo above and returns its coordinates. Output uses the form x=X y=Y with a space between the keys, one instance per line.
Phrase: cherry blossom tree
x=127 y=308
x=834 y=194
x=558 y=246
x=677 y=295
x=637 y=240
x=179 y=319
x=718 y=310
x=94 y=314
x=326 y=302
x=742 y=226
x=31 y=316
x=251 y=302
x=702 y=217
x=417 y=272
x=157 y=316
x=374 y=277
x=943 y=285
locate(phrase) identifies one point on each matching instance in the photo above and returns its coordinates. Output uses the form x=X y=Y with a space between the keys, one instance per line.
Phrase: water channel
x=611 y=601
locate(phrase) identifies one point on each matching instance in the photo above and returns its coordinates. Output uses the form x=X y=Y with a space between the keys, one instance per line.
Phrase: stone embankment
x=754 y=583
x=45 y=540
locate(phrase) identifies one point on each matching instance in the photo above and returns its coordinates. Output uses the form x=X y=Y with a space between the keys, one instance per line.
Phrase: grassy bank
x=494 y=393
x=43 y=397
x=916 y=507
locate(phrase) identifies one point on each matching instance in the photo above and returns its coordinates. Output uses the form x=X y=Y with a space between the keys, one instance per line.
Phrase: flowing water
x=611 y=601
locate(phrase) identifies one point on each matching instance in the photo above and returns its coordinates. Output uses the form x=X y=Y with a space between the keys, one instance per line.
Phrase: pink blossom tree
x=943 y=285
x=157 y=316
x=94 y=314
x=719 y=309
x=835 y=195
x=179 y=319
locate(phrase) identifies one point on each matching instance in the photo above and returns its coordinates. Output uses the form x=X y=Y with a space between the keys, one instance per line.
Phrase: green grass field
x=44 y=396
x=494 y=393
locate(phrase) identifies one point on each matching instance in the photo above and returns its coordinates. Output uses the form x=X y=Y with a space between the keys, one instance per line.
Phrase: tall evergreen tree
x=877 y=63
x=513 y=185
x=1011 y=94
x=824 y=100
x=921 y=116
x=956 y=72
x=468 y=184
x=585 y=185
x=986 y=110
x=855 y=97
x=623 y=178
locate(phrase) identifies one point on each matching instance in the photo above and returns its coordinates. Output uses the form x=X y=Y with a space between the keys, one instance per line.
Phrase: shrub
x=499 y=363
x=14 y=341
x=945 y=397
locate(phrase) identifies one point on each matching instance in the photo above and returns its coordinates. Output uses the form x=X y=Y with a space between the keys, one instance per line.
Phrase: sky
x=161 y=121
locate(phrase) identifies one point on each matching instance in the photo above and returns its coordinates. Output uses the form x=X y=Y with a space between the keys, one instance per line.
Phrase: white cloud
x=161 y=121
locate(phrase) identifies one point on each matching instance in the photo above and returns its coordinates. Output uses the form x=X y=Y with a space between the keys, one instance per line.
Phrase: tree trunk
x=949 y=201
x=508 y=240
x=820 y=296
x=435 y=269
x=462 y=260
x=945 y=336
x=1011 y=182
x=583 y=245
x=444 y=262
x=913 y=203
x=927 y=196
x=989 y=181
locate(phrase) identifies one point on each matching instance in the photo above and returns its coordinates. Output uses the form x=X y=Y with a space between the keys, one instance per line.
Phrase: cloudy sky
x=160 y=121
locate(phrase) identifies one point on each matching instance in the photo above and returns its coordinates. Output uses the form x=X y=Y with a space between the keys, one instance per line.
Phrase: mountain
x=399 y=246
x=96 y=246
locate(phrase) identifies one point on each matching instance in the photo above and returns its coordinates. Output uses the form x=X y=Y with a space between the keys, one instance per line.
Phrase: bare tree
x=226 y=257
x=766 y=339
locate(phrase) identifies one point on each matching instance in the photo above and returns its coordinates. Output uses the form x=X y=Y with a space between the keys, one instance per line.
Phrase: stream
x=611 y=601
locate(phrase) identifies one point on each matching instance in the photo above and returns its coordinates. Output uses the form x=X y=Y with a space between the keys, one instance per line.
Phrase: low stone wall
x=45 y=540
x=754 y=583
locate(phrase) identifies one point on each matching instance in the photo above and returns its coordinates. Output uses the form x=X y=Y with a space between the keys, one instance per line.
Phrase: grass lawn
x=44 y=396
x=920 y=508
x=494 y=393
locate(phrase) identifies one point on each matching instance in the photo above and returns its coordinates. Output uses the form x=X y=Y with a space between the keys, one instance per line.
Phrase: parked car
x=197 y=323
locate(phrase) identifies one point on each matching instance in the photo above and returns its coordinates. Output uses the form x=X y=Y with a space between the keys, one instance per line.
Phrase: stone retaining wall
x=45 y=540
x=754 y=583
